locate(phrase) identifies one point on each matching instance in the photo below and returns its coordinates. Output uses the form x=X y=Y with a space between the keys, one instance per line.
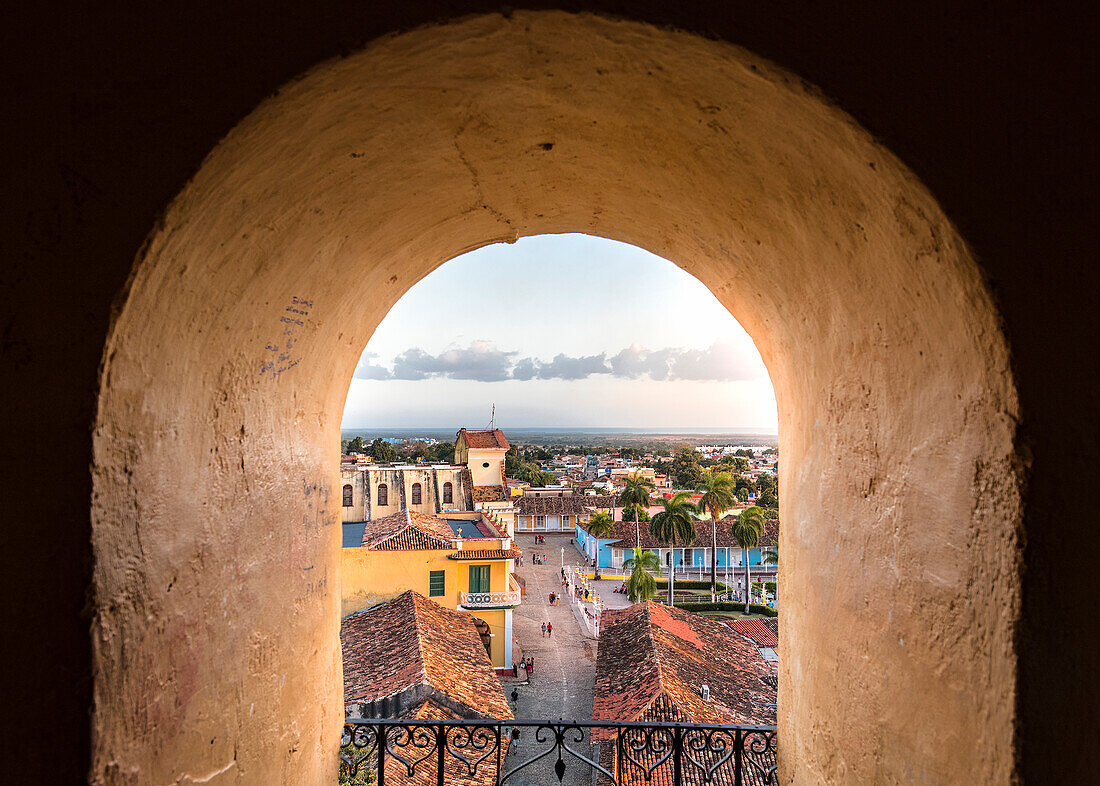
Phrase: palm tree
x=718 y=497
x=675 y=524
x=636 y=494
x=748 y=529
x=600 y=526
x=641 y=586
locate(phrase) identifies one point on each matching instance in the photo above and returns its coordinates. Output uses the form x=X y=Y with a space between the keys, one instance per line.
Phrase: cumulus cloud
x=565 y=367
x=525 y=369
x=481 y=361
x=723 y=361
x=367 y=369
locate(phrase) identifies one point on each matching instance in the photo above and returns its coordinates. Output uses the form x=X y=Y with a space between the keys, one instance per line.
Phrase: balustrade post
x=381 y=737
x=738 y=758
x=677 y=756
x=496 y=780
x=440 y=744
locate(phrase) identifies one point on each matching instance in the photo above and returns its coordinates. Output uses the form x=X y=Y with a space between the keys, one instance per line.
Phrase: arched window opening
x=879 y=296
x=348 y=495
x=416 y=493
x=448 y=493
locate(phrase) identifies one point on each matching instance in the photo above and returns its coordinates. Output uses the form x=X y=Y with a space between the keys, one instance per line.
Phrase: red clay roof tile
x=485 y=439
x=407 y=531
x=757 y=630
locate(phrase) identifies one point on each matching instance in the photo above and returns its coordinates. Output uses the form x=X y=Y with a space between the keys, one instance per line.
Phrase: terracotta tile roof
x=407 y=531
x=653 y=660
x=760 y=633
x=490 y=494
x=512 y=553
x=485 y=439
x=572 y=505
x=488 y=529
x=416 y=645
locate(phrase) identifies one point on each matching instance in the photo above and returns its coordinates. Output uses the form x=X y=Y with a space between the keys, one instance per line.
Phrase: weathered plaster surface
x=215 y=511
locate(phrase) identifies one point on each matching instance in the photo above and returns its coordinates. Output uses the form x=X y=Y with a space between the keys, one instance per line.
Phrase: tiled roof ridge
x=416 y=598
x=656 y=652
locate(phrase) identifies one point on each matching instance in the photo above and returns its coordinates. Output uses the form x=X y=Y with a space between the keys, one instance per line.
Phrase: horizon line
x=733 y=429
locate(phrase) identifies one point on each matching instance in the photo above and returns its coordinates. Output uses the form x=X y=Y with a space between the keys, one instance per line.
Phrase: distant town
x=577 y=575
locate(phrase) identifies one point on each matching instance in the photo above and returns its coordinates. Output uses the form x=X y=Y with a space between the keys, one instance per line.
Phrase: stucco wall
x=897 y=410
x=490 y=475
x=958 y=93
x=368 y=578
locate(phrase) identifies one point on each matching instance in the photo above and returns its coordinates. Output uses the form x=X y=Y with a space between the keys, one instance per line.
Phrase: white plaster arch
x=216 y=501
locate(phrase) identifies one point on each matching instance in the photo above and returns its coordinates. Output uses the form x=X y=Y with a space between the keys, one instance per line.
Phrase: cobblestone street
x=565 y=663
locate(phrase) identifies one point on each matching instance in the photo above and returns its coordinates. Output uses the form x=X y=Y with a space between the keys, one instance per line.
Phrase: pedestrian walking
x=549 y=629
x=530 y=665
x=544 y=630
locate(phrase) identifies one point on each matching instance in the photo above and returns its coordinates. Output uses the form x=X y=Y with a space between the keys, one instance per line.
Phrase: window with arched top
x=383 y=494
x=448 y=493
x=416 y=493
x=348 y=496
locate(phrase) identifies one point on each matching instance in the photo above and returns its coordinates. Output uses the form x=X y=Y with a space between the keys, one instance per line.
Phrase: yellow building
x=462 y=562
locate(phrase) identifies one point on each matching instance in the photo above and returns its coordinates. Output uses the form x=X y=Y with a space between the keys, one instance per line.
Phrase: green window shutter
x=437 y=583
x=479 y=578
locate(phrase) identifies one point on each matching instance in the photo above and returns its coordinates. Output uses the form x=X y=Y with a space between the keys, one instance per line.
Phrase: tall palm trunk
x=748 y=582
x=713 y=557
x=671 y=573
x=637 y=523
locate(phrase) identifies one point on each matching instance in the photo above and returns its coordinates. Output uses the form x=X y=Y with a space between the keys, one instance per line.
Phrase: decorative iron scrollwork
x=473 y=750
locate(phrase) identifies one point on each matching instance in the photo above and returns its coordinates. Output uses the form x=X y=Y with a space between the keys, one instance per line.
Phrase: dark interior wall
x=111 y=108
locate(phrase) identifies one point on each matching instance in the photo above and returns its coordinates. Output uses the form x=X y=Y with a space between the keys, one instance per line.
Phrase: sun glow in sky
x=561 y=331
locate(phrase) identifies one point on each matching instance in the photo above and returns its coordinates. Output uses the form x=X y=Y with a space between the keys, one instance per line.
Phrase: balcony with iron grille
x=494 y=752
x=507 y=599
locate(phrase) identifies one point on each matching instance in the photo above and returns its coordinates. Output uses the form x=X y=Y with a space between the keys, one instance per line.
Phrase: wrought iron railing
x=481 y=600
x=406 y=751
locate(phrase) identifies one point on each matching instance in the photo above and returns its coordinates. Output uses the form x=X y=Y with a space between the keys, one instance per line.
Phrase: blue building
x=609 y=553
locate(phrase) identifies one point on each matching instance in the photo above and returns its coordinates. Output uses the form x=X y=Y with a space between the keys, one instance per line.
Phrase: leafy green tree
x=748 y=528
x=629 y=514
x=355 y=446
x=718 y=497
x=383 y=451
x=674 y=525
x=767 y=490
x=442 y=452
x=743 y=494
x=685 y=468
x=640 y=585
x=636 y=493
x=513 y=464
x=538 y=478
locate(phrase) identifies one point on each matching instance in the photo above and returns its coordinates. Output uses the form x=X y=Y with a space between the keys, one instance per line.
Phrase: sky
x=560 y=331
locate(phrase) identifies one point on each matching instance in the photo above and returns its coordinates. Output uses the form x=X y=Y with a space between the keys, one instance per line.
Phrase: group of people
x=540 y=538
x=527 y=666
x=547 y=629
x=538 y=559
x=553 y=599
x=621 y=589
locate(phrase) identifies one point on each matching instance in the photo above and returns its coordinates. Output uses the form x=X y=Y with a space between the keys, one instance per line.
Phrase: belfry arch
x=216 y=505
